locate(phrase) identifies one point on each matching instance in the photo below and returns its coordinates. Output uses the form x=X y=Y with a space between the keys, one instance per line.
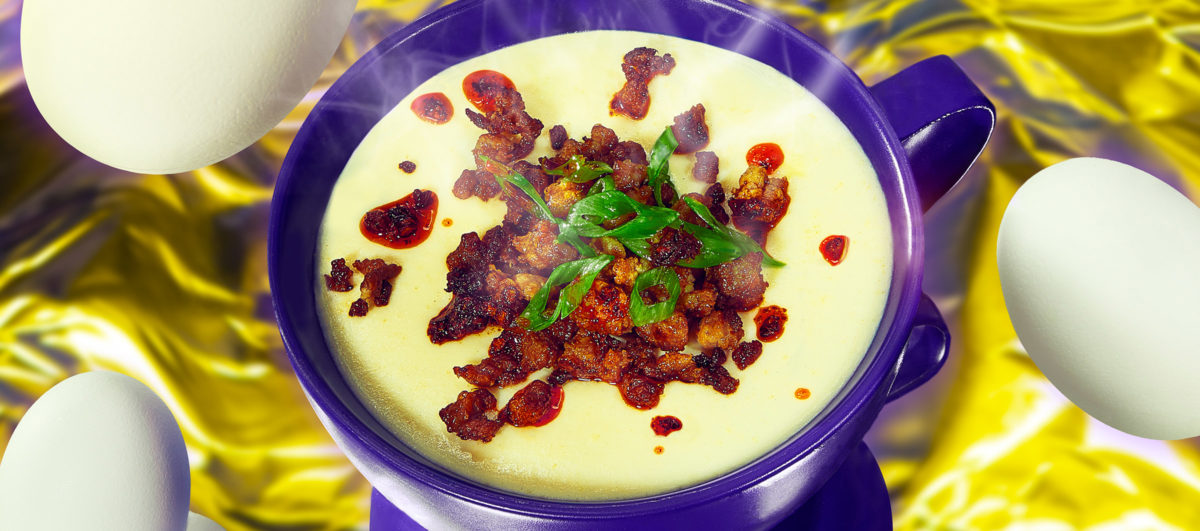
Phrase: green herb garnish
x=578 y=169
x=566 y=233
x=588 y=213
x=720 y=244
x=642 y=313
x=580 y=274
x=657 y=171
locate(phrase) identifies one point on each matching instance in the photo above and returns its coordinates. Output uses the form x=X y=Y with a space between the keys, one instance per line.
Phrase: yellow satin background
x=164 y=277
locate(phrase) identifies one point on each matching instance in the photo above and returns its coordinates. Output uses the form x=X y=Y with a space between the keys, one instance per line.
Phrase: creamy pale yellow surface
x=599 y=447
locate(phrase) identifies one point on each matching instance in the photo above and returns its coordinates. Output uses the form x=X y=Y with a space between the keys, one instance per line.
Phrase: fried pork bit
x=629 y=151
x=759 y=202
x=480 y=184
x=698 y=303
x=534 y=405
x=625 y=270
x=673 y=246
x=706 y=167
x=539 y=249
x=640 y=392
x=679 y=367
x=467 y=416
x=508 y=124
x=562 y=194
x=512 y=356
x=739 y=282
x=340 y=277
x=711 y=358
x=640 y=66
x=358 y=308
x=604 y=309
x=558 y=135
x=721 y=328
x=528 y=284
x=747 y=353
x=465 y=315
x=669 y=334
x=628 y=174
x=376 y=287
x=593 y=357
x=691 y=131
x=600 y=143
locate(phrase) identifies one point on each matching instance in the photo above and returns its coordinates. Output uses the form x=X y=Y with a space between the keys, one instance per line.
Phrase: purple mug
x=921 y=130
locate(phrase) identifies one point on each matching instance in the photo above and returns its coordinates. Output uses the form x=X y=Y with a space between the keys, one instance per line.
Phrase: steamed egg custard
x=821 y=307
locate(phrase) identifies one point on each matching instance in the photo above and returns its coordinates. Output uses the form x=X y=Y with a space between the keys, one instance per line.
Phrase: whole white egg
x=156 y=86
x=98 y=451
x=1100 y=268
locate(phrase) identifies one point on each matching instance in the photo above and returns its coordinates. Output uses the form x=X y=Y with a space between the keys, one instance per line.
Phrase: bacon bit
x=467 y=417
x=446 y=222
x=434 y=108
x=802 y=393
x=408 y=166
x=690 y=130
x=340 y=277
x=481 y=87
x=558 y=137
x=640 y=66
x=535 y=405
x=376 y=286
x=706 y=167
x=640 y=392
x=770 y=321
x=658 y=450
x=665 y=425
x=358 y=308
x=403 y=223
x=834 y=248
x=746 y=354
x=768 y=156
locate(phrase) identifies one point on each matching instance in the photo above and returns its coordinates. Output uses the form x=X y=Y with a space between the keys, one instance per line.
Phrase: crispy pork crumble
x=375 y=289
x=506 y=276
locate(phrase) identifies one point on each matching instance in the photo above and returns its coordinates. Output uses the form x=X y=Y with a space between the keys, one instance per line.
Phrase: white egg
x=98 y=451
x=1100 y=268
x=161 y=87
x=197 y=522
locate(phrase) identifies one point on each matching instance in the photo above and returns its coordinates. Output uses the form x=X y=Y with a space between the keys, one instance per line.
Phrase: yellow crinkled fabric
x=164 y=277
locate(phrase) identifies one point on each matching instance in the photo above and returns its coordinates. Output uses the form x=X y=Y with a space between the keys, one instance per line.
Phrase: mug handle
x=941 y=118
x=943 y=121
x=924 y=352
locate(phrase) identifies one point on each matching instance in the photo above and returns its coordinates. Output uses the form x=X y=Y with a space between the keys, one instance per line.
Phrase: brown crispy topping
x=746 y=354
x=759 y=202
x=535 y=405
x=604 y=309
x=665 y=425
x=340 y=278
x=673 y=246
x=721 y=328
x=640 y=66
x=691 y=131
x=706 y=167
x=467 y=417
x=358 y=308
x=740 y=282
x=376 y=286
x=408 y=166
x=640 y=392
x=558 y=135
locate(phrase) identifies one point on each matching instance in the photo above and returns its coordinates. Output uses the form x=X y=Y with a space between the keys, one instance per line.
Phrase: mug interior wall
x=374 y=85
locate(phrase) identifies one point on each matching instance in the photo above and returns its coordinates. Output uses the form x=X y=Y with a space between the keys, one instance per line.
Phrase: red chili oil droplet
x=480 y=88
x=556 y=402
x=446 y=222
x=658 y=450
x=403 y=223
x=434 y=108
x=803 y=393
x=768 y=155
x=770 y=320
x=834 y=248
x=665 y=425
